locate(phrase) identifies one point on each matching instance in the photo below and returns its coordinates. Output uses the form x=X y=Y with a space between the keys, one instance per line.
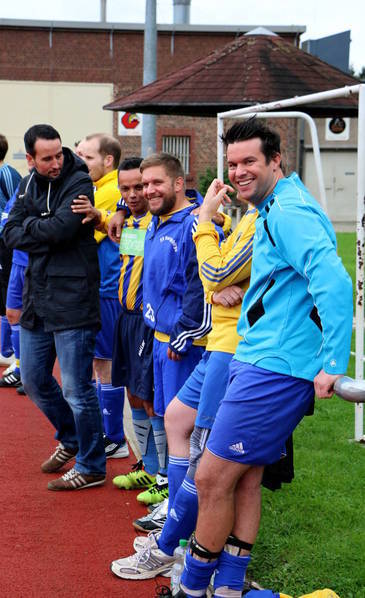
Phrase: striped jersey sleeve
x=229 y=263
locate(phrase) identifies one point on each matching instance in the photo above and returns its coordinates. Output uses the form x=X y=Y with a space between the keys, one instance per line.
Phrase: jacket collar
x=107 y=178
x=264 y=206
x=178 y=216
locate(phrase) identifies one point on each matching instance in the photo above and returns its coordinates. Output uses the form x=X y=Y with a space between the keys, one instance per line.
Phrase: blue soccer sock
x=181 y=519
x=159 y=435
x=176 y=471
x=196 y=575
x=112 y=399
x=15 y=341
x=231 y=571
x=5 y=338
x=144 y=434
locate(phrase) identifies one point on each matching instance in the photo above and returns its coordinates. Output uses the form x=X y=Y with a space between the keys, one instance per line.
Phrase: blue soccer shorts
x=132 y=355
x=109 y=312
x=206 y=386
x=258 y=413
x=14 y=296
x=169 y=375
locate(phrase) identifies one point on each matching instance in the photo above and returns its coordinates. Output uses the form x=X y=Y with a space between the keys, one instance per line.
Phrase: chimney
x=181 y=12
x=103 y=11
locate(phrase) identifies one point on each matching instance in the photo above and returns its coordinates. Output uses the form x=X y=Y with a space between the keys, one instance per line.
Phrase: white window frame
x=178 y=146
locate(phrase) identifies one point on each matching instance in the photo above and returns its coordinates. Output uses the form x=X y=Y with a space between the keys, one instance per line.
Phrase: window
x=179 y=147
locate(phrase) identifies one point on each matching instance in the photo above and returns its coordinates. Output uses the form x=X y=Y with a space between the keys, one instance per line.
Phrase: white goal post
x=265 y=111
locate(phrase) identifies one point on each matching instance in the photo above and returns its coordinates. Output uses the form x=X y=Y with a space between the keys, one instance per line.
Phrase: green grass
x=346 y=243
x=312 y=533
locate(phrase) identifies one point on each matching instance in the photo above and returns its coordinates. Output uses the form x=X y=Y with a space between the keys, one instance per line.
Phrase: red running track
x=59 y=544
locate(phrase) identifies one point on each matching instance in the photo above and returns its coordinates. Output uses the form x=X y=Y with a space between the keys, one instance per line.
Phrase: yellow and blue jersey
x=131 y=274
x=106 y=197
x=223 y=265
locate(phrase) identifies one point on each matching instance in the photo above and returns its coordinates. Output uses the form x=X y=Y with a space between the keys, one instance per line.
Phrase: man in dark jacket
x=60 y=304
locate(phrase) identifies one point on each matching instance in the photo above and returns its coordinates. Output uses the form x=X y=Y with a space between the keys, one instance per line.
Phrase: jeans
x=74 y=411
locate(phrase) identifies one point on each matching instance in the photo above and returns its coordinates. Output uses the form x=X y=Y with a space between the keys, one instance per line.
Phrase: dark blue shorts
x=206 y=386
x=132 y=364
x=14 y=294
x=109 y=312
x=258 y=413
x=169 y=376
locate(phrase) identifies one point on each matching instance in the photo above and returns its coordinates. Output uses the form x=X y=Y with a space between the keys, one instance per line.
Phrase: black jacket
x=62 y=280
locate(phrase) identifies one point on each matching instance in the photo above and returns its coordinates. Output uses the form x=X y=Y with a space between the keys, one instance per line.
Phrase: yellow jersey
x=106 y=196
x=221 y=266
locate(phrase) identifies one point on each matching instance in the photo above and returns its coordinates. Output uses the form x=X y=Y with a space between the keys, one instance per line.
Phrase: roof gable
x=252 y=69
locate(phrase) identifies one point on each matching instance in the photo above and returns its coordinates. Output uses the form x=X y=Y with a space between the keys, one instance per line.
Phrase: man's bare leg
x=234 y=507
x=103 y=369
x=179 y=424
x=216 y=501
x=248 y=505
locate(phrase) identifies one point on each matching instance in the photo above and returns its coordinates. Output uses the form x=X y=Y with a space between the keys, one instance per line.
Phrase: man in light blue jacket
x=296 y=325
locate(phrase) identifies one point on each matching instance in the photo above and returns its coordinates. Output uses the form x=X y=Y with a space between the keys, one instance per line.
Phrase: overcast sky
x=321 y=17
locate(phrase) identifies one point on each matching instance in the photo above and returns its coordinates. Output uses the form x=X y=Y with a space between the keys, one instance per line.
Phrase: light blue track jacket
x=296 y=316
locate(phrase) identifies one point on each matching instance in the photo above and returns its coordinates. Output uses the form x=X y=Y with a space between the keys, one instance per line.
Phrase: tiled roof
x=251 y=69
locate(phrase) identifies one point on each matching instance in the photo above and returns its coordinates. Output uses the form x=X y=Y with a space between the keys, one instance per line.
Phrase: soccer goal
x=266 y=111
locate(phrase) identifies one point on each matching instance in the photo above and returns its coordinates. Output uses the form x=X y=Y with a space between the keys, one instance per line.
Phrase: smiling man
x=60 y=304
x=173 y=296
x=132 y=344
x=295 y=325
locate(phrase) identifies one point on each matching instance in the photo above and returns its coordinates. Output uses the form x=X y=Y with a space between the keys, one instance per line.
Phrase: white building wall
x=74 y=109
x=339 y=163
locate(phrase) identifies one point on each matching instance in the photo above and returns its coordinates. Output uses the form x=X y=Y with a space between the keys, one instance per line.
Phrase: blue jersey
x=9 y=181
x=296 y=316
x=109 y=264
x=20 y=258
x=173 y=296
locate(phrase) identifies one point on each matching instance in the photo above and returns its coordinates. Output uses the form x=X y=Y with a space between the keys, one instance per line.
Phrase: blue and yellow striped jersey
x=131 y=274
x=223 y=265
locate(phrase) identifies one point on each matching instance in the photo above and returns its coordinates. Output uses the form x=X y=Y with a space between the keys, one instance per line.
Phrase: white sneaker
x=6 y=360
x=10 y=369
x=144 y=564
x=114 y=450
x=153 y=521
x=140 y=542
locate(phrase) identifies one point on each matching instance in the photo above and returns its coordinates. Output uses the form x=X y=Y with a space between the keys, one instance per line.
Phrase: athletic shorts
x=132 y=364
x=169 y=376
x=258 y=413
x=206 y=386
x=109 y=312
x=14 y=293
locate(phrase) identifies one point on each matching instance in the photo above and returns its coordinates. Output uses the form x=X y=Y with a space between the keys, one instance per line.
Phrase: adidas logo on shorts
x=237 y=448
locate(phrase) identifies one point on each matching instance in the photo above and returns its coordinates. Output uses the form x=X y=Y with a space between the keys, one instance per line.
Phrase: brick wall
x=101 y=56
x=203 y=145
